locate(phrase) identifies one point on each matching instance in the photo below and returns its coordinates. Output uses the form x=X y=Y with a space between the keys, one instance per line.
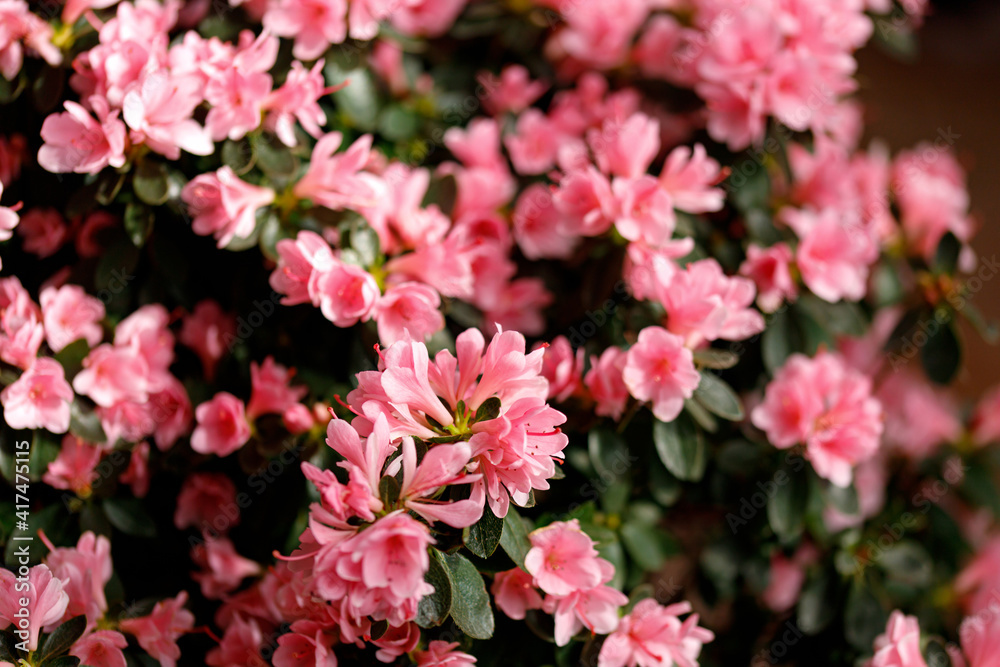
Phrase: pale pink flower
x=224 y=205
x=443 y=465
x=208 y=330
x=533 y=147
x=660 y=369
x=101 y=648
x=653 y=634
x=113 y=374
x=689 y=176
x=769 y=269
x=158 y=110
x=478 y=145
x=563 y=368
x=512 y=91
x=519 y=307
x=171 y=413
x=537 y=227
x=586 y=202
x=335 y=180
x=8 y=215
x=146 y=330
x=918 y=416
x=425 y=18
x=595 y=609
x=40 y=398
x=76 y=142
x=345 y=293
x=599 y=34
x=75 y=467
x=980 y=635
x=647 y=269
x=826 y=405
x=606 y=384
x=74 y=9
x=207 y=501
x=137 y=473
x=21 y=331
x=834 y=255
x=871 y=481
x=313 y=24
x=271 y=391
x=240 y=645
x=985 y=423
x=625 y=147
x=222 y=426
x=703 y=304
x=899 y=645
x=443 y=654
x=44 y=231
x=47 y=602
x=222 y=569
x=562 y=559
x=23 y=29
x=70 y=314
x=239 y=90
x=408 y=309
x=85 y=569
x=514 y=593
x=298 y=99
x=158 y=632
x=298 y=260
x=301 y=649
x=644 y=210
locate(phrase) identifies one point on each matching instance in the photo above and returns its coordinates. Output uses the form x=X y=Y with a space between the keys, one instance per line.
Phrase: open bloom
x=158 y=632
x=40 y=398
x=85 y=569
x=70 y=314
x=660 y=369
x=562 y=558
x=101 y=648
x=443 y=654
x=46 y=602
x=514 y=593
x=826 y=405
x=222 y=426
x=655 y=635
x=899 y=645
x=224 y=205
x=980 y=635
x=76 y=142
x=75 y=467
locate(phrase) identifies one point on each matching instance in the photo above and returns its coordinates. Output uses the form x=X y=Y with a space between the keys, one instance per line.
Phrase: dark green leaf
x=388 y=490
x=85 y=423
x=649 y=546
x=514 y=539
x=397 y=123
x=138 y=221
x=718 y=359
x=608 y=453
x=483 y=537
x=7 y=641
x=844 y=499
x=238 y=155
x=358 y=101
x=718 y=397
x=274 y=158
x=864 y=618
x=434 y=608
x=47 y=87
x=45 y=448
x=129 y=516
x=701 y=415
x=62 y=638
x=946 y=255
x=908 y=563
x=681 y=448
x=816 y=608
x=379 y=627
x=109 y=184
x=786 y=507
x=664 y=487
x=470 y=604
x=936 y=655
x=778 y=341
x=442 y=192
x=489 y=409
x=979 y=487
x=62 y=661
x=942 y=354
x=71 y=357
x=749 y=186
x=150 y=182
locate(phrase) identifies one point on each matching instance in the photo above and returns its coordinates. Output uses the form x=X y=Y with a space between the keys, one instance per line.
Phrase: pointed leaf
x=681 y=448
x=62 y=638
x=514 y=538
x=483 y=537
x=434 y=608
x=470 y=604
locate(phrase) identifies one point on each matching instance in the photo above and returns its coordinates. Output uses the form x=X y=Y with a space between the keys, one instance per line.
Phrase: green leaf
x=150 y=183
x=908 y=563
x=274 y=158
x=649 y=546
x=946 y=255
x=138 y=221
x=864 y=618
x=514 y=539
x=701 y=415
x=239 y=155
x=44 y=450
x=71 y=357
x=942 y=354
x=109 y=184
x=62 y=638
x=85 y=423
x=488 y=409
x=664 y=487
x=62 y=661
x=718 y=359
x=815 y=609
x=608 y=453
x=681 y=448
x=7 y=641
x=483 y=537
x=778 y=341
x=936 y=654
x=434 y=608
x=749 y=186
x=443 y=191
x=979 y=487
x=470 y=604
x=129 y=516
x=397 y=123
x=786 y=508
x=844 y=499
x=718 y=397
x=358 y=101
x=388 y=490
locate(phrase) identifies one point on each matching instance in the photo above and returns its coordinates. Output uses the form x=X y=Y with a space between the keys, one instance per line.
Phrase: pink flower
x=537 y=226
x=899 y=645
x=688 y=176
x=980 y=635
x=534 y=146
x=645 y=210
x=222 y=426
x=985 y=424
x=562 y=559
x=314 y=24
x=137 y=473
x=75 y=142
x=345 y=293
x=240 y=645
x=660 y=369
x=85 y=569
x=703 y=304
x=834 y=254
x=408 y=309
x=335 y=180
x=397 y=641
x=828 y=406
x=171 y=413
x=21 y=29
x=158 y=633
x=239 y=90
x=443 y=465
x=101 y=648
x=224 y=205
x=271 y=391
x=208 y=330
x=75 y=467
x=513 y=91
x=442 y=654
x=40 y=398
x=653 y=634
x=46 y=602
x=146 y=331
x=298 y=99
x=595 y=609
x=520 y=307
x=514 y=593
x=918 y=416
x=298 y=649
x=44 y=231
x=207 y=501
x=222 y=568
x=69 y=314
x=606 y=384
x=113 y=374
x=769 y=269
x=21 y=331
x=298 y=260
x=785 y=581
x=586 y=202
x=425 y=18
x=563 y=368
x=158 y=110
x=625 y=147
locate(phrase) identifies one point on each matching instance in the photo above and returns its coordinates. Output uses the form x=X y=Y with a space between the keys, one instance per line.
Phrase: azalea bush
x=454 y=332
